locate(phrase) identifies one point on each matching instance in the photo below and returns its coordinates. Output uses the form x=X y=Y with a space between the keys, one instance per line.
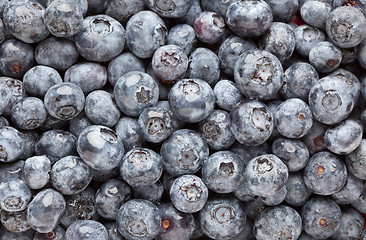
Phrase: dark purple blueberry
x=6 y=234
x=130 y=133
x=14 y=195
x=209 y=27
x=278 y=222
x=325 y=57
x=113 y=232
x=240 y=16
x=351 y=80
x=325 y=173
x=315 y=13
x=121 y=10
x=356 y=161
x=352 y=224
x=314 y=139
x=169 y=9
x=254 y=207
x=4 y=97
x=183 y=35
x=87 y=230
x=11 y=144
x=351 y=190
x=306 y=38
x=36 y=171
x=247 y=152
x=193 y=11
x=139 y=218
x=30 y=141
x=29 y=113
x=78 y=123
x=227 y=94
x=283 y=10
x=297 y=192
x=152 y=193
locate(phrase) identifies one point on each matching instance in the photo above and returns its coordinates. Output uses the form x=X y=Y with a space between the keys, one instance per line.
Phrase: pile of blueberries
x=182 y=119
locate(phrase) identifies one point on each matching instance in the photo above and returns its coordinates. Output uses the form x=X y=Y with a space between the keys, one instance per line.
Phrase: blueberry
x=321 y=217
x=360 y=204
x=63 y=18
x=29 y=113
x=130 y=133
x=355 y=161
x=251 y=122
x=222 y=218
x=113 y=232
x=14 y=221
x=100 y=147
x=244 y=194
x=227 y=94
x=11 y=170
x=153 y=193
x=204 y=64
x=223 y=172
x=141 y=167
x=278 y=222
x=175 y=224
x=325 y=57
x=45 y=210
x=4 y=97
x=58 y=53
x=240 y=16
x=24 y=19
x=230 y=50
x=101 y=108
x=16 y=58
x=330 y=100
x=293 y=118
x=6 y=234
x=78 y=123
x=279 y=40
x=265 y=175
x=36 y=171
x=217 y=6
x=346 y=26
x=193 y=11
x=254 y=207
x=15 y=90
x=258 y=74
x=314 y=139
x=344 y=137
x=315 y=13
x=101 y=38
x=88 y=76
x=11 y=144
x=56 y=144
x=191 y=100
x=135 y=91
x=247 y=152
x=30 y=140
x=104 y=175
x=145 y=32
x=283 y=11
x=276 y=198
x=123 y=63
x=215 y=129
x=325 y=173
x=64 y=100
x=39 y=79
x=183 y=35
x=297 y=192
x=184 y=152
x=139 y=219
x=14 y=195
x=351 y=80
x=351 y=190
x=351 y=226
x=306 y=38
x=56 y=234
x=86 y=229
x=359 y=4
x=169 y=62
x=188 y=193
x=209 y=27
x=121 y=10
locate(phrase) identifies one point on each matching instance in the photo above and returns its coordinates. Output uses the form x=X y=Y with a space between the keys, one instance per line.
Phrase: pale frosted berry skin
x=175 y=224
x=352 y=224
x=184 y=152
x=86 y=229
x=169 y=62
x=293 y=118
x=155 y=124
x=266 y=175
x=240 y=16
x=325 y=174
x=360 y=203
x=28 y=114
x=137 y=218
x=6 y=234
x=188 y=193
x=110 y=35
x=100 y=147
x=356 y=162
x=141 y=167
x=227 y=94
x=315 y=13
x=30 y=140
x=45 y=210
x=191 y=100
x=16 y=91
x=222 y=172
x=24 y=19
x=110 y=197
x=351 y=190
x=15 y=195
x=87 y=75
x=321 y=217
x=135 y=91
x=130 y=133
x=330 y=100
x=39 y=79
x=11 y=144
x=297 y=192
x=279 y=40
x=101 y=108
x=360 y=5
x=153 y=193
x=169 y=9
x=70 y=175
x=276 y=222
x=11 y=170
x=352 y=81
x=56 y=144
x=36 y=171
x=123 y=63
x=230 y=50
x=251 y=122
x=283 y=11
x=121 y=10
x=63 y=18
x=14 y=221
x=215 y=129
x=275 y=199
x=222 y=218
x=193 y=11
x=325 y=57
x=258 y=74
x=345 y=26
x=183 y=35
x=4 y=97
x=145 y=32
x=209 y=27
x=306 y=37
x=64 y=101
